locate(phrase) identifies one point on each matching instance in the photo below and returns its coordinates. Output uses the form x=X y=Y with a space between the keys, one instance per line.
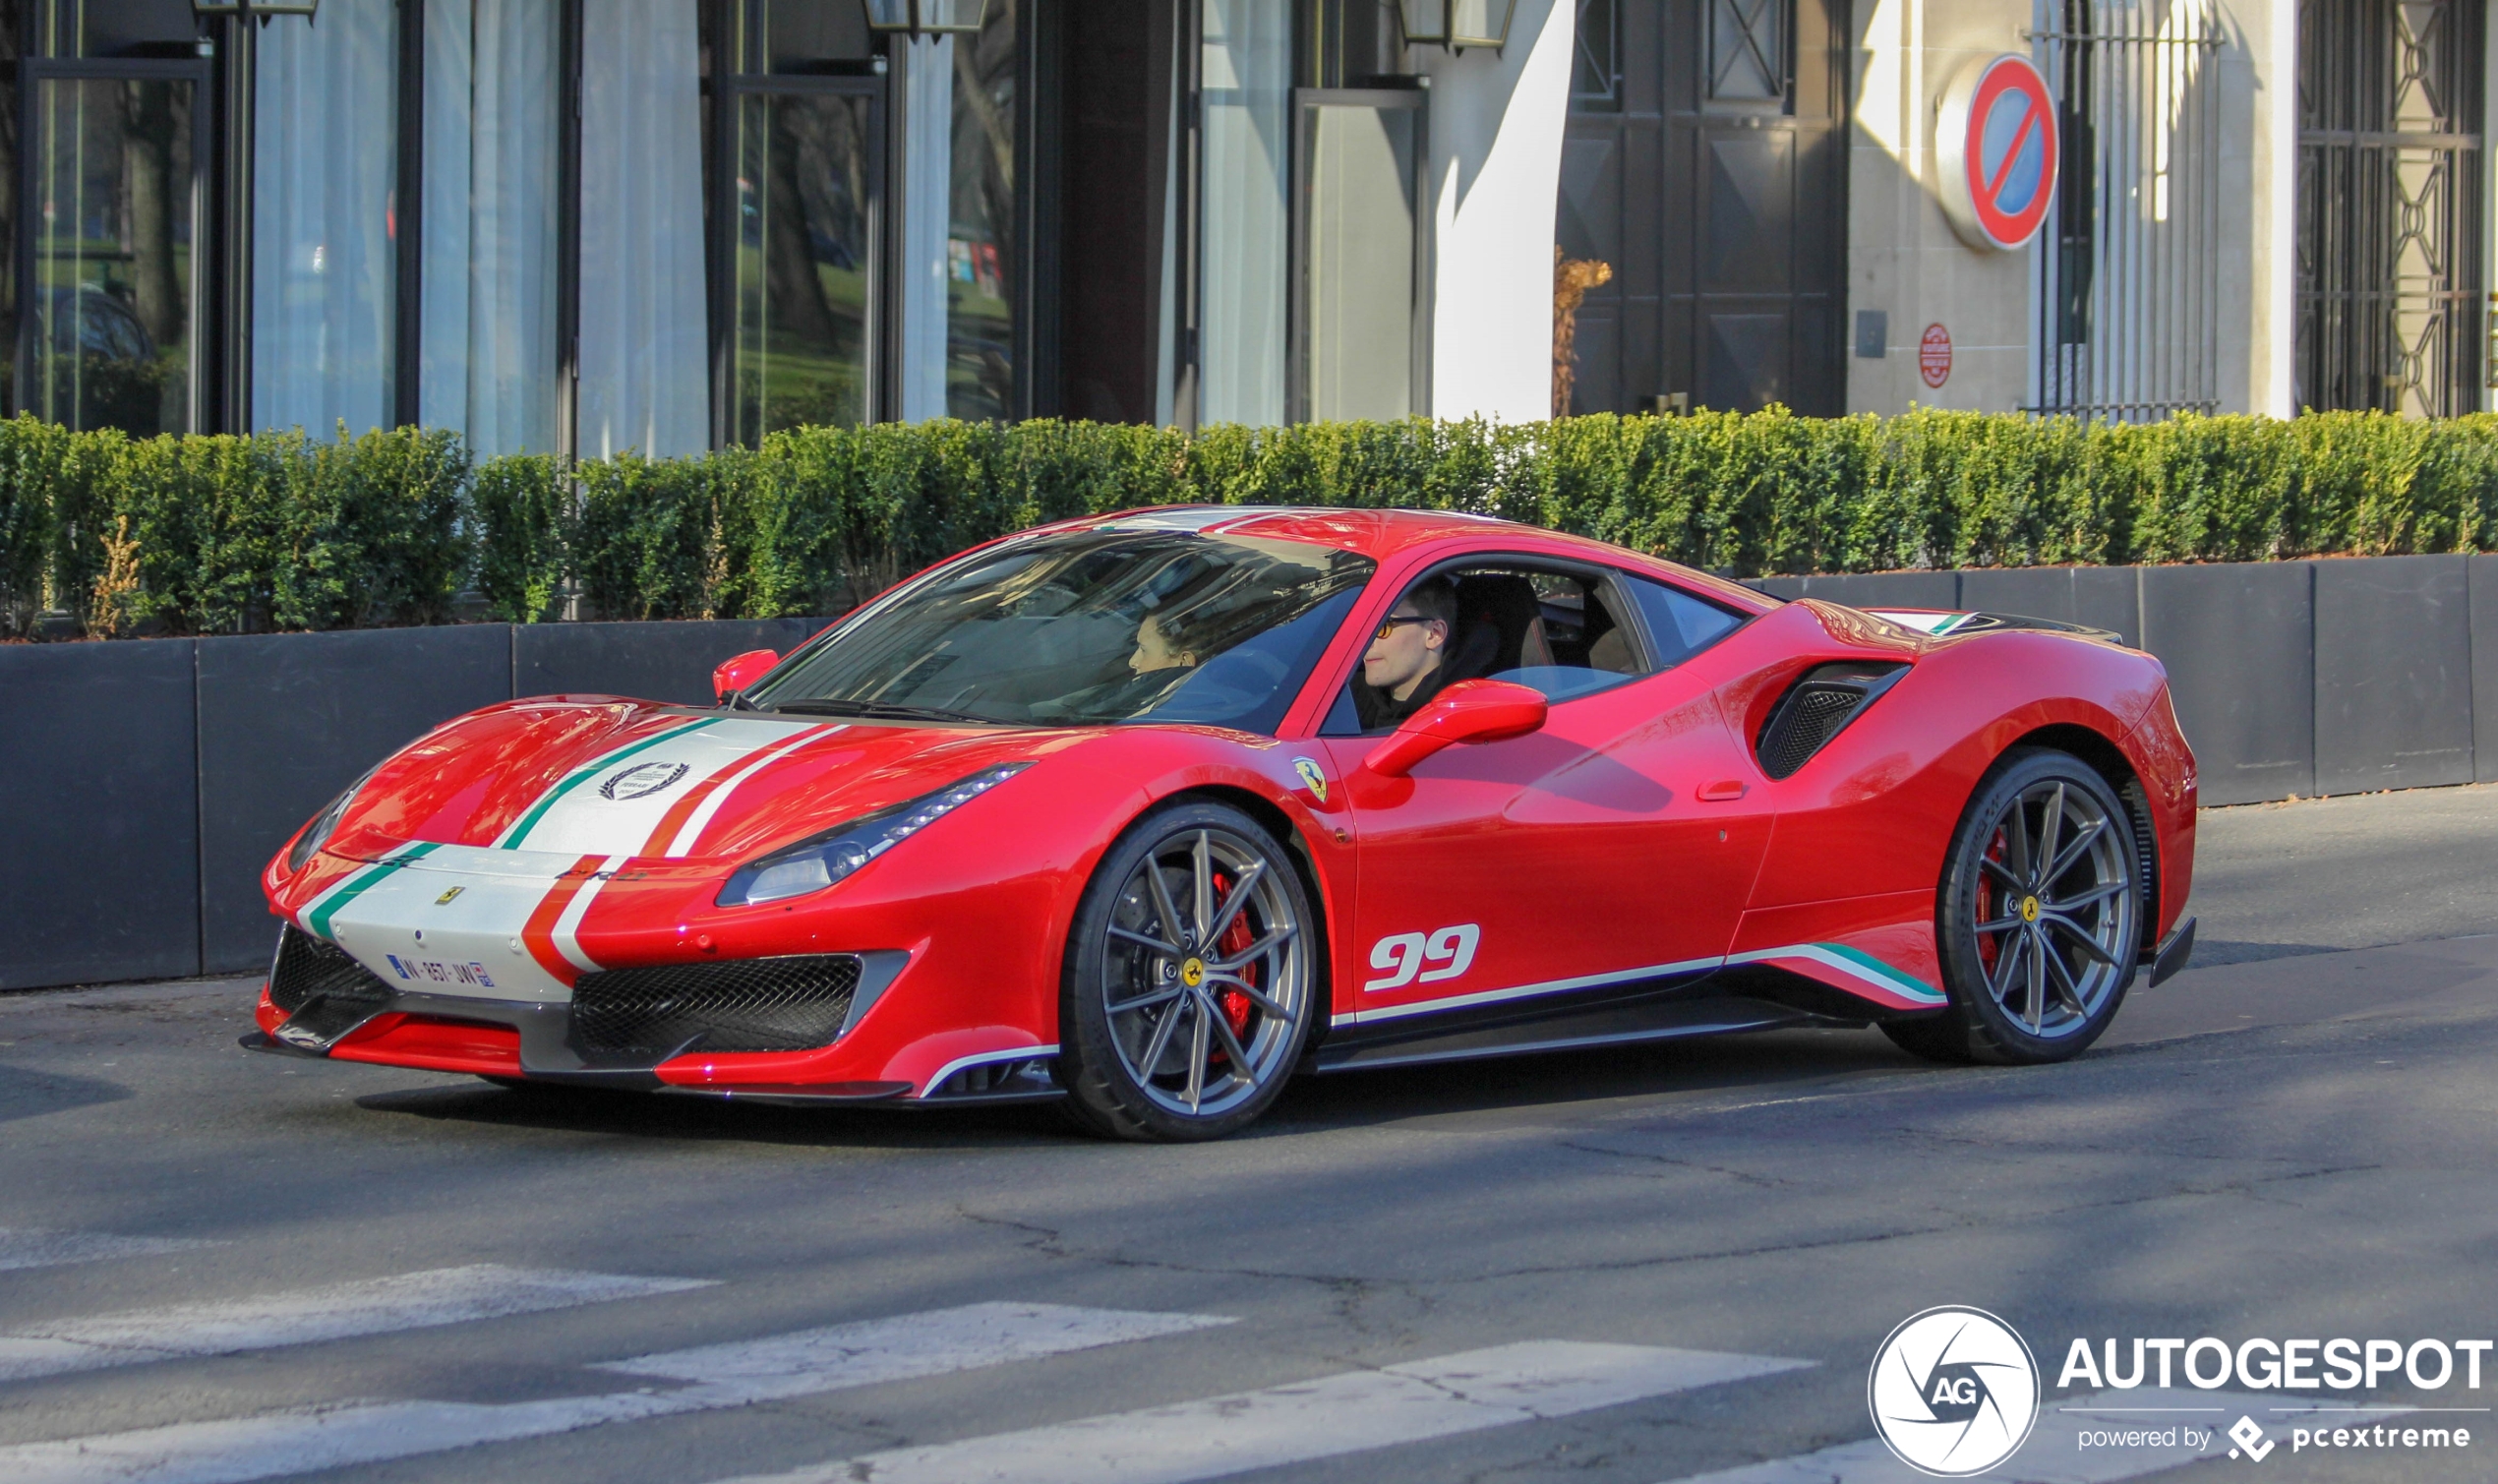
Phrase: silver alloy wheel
x=2054 y=909
x=1206 y=973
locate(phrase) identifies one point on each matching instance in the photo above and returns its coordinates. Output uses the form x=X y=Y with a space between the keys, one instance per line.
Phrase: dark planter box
x=288 y=719
x=101 y=874
x=154 y=779
x=653 y=662
x=2482 y=576
x=2238 y=638
x=2394 y=674
x=2099 y=597
x=1887 y=589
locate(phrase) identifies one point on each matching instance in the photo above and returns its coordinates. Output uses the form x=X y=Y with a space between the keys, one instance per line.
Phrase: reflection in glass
x=1363 y=173
x=111 y=343
x=803 y=219
x=1088 y=628
x=644 y=337
x=958 y=220
x=1248 y=80
x=487 y=353
x=324 y=259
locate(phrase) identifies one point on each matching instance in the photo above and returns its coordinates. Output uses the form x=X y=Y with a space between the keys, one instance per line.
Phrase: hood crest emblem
x=1315 y=780
x=642 y=781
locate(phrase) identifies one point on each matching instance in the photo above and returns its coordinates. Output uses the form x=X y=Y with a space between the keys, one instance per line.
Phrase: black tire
x=1139 y=972
x=2036 y=957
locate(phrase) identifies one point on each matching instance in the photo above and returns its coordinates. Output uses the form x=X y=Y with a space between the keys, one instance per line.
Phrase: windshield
x=1086 y=627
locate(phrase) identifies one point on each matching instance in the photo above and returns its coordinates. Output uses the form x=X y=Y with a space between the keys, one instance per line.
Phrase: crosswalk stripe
x=1348 y=1412
x=339 y=1311
x=2054 y=1453
x=806 y=1363
x=33 y=1247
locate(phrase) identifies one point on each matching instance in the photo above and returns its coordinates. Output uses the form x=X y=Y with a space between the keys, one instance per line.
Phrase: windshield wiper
x=884 y=709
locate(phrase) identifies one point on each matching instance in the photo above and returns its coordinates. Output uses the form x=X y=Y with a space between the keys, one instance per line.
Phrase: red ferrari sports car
x=1148 y=813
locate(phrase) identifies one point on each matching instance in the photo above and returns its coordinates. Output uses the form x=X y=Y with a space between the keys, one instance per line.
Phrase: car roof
x=1381 y=534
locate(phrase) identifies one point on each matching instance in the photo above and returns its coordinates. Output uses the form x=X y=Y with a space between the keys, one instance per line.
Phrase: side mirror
x=1469 y=711
x=735 y=675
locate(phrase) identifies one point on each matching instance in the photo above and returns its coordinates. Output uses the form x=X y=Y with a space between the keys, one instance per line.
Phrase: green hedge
x=221 y=534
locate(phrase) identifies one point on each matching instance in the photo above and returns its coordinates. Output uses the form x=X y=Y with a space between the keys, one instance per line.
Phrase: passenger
x=1154 y=650
x=1403 y=669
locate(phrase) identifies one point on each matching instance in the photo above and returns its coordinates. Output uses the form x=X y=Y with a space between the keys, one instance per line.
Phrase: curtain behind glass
x=1248 y=90
x=487 y=349
x=325 y=153
x=1361 y=217
x=645 y=379
x=928 y=190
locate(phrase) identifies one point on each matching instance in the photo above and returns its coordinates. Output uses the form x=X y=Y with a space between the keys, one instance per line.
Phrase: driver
x=1403 y=670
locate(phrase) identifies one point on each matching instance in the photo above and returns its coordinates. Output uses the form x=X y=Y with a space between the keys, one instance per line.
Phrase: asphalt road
x=215 y=1266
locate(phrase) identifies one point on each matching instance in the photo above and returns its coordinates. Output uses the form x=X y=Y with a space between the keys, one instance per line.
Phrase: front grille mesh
x=785 y=1004
x=321 y=987
x=308 y=967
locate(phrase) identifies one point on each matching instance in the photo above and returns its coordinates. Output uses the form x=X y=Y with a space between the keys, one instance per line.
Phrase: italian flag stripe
x=538 y=933
x=318 y=919
x=513 y=838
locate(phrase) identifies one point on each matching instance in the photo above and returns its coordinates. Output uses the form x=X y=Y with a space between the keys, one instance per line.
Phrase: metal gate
x=2389 y=204
x=2128 y=265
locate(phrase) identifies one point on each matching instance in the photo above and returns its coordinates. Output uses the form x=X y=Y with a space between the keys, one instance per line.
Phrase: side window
x=1552 y=629
x=1682 y=625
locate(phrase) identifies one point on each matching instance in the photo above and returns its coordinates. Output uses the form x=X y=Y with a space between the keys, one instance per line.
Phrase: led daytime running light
x=835 y=856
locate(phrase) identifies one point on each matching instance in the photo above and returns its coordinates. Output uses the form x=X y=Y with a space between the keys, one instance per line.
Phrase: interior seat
x=1497 y=617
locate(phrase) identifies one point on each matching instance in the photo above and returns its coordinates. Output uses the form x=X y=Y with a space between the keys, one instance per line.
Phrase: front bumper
x=619 y=1029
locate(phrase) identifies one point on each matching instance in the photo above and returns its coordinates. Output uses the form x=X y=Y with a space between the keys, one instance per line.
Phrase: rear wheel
x=2037 y=920
x=1190 y=982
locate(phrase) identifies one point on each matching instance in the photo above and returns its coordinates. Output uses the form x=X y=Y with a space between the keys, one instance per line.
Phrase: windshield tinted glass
x=1086 y=627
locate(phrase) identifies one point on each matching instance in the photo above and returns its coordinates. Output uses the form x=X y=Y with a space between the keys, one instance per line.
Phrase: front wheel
x=1191 y=980
x=2037 y=918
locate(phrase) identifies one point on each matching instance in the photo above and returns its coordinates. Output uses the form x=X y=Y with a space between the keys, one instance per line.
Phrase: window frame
x=1604 y=578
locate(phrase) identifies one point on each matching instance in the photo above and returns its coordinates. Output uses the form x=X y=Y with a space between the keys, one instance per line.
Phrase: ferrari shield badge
x=1312 y=778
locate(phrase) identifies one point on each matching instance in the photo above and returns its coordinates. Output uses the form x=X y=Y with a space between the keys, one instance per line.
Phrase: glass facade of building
x=669 y=225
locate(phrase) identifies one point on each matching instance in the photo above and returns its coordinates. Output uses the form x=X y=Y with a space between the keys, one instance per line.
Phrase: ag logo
x=1953 y=1391
x=642 y=781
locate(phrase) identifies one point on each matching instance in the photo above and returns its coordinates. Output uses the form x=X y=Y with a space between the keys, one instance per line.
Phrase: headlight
x=813 y=865
x=318 y=833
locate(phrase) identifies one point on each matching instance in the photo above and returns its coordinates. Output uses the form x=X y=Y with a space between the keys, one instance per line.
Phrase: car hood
x=600 y=777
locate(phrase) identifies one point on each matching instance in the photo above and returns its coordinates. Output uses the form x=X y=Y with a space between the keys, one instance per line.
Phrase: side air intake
x=1816 y=709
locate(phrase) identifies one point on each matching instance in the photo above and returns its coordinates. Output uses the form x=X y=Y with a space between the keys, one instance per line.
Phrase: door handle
x=1722 y=790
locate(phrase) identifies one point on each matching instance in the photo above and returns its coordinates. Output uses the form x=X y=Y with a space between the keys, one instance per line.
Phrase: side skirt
x=1700 y=1004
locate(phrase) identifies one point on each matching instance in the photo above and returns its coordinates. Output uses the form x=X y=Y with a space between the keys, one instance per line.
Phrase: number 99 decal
x=1401 y=958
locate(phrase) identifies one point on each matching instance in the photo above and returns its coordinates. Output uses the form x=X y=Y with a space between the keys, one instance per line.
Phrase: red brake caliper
x=1236 y=940
x=1989 y=944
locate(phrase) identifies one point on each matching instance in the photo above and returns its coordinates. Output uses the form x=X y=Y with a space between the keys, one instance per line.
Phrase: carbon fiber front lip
x=547 y=1052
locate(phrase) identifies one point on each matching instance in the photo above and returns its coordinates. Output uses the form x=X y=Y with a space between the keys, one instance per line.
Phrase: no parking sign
x=1997 y=145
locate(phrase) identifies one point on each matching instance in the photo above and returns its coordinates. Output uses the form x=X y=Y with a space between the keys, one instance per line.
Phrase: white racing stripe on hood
x=681 y=843
x=611 y=805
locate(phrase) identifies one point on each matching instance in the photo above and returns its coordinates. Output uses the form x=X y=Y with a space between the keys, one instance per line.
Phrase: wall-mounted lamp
x=263 y=11
x=1455 y=23
x=926 y=18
